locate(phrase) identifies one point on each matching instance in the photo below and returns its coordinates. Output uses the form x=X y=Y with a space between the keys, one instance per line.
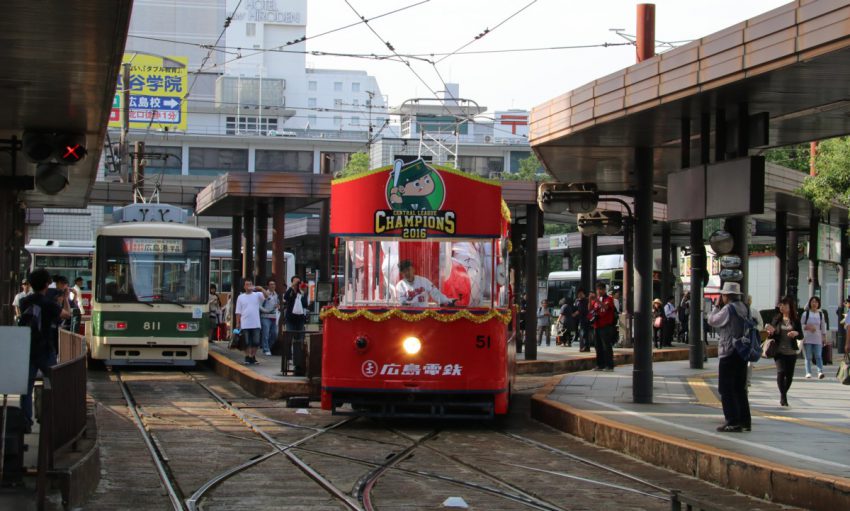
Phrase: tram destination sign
x=153 y=246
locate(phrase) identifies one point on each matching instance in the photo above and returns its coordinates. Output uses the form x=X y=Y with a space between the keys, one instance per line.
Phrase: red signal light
x=73 y=153
x=182 y=326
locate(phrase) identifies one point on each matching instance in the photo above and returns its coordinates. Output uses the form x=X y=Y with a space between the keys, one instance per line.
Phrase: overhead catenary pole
x=531 y=219
x=125 y=123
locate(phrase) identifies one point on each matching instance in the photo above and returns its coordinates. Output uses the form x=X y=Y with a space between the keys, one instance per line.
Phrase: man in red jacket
x=602 y=316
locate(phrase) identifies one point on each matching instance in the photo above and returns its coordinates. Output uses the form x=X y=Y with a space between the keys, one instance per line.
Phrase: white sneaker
x=267 y=353
x=820 y=376
x=808 y=376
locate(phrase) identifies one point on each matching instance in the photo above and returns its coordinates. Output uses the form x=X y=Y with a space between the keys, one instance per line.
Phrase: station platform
x=263 y=379
x=796 y=456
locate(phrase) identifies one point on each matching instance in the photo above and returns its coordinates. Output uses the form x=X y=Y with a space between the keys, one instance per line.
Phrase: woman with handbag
x=785 y=330
x=657 y=322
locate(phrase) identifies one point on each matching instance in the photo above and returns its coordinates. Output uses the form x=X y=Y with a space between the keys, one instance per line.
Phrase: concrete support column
x=814 y=281
x=531 y=219
x=666 y=270
x=696 y=355
x=642 y=372
x=781 y=253
x=628 y=280
x=324 y=230
x=248 y=244
x=516 y=279
x=843 y=264
x=278 y=260
x=262 y=226
x=236 y=262
x=793 y=264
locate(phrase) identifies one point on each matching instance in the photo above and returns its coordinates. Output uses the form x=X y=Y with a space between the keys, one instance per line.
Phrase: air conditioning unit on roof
x=488 y=138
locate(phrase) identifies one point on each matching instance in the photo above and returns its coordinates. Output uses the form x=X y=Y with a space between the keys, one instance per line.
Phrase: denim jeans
x=269 y=333
x=813 y=351
x=43 y=364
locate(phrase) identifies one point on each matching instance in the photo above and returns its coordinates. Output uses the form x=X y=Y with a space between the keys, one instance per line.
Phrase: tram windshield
x=456 y=273
x=152 y=270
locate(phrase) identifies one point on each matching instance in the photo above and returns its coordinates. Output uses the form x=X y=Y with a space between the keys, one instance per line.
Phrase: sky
x=504 y=80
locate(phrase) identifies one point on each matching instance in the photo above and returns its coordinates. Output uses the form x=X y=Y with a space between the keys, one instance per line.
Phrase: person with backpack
x=42 y=314
x=785 y=330
x=565 y=323
x=814 y=335
x=730 y=318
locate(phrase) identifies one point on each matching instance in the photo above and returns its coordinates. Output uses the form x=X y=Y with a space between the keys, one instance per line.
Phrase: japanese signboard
x=158 y=86
x=153 y=246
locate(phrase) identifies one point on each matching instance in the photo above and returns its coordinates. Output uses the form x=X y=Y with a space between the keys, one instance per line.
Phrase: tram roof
x=58 y=71
x=792 y=62
x=234 y=193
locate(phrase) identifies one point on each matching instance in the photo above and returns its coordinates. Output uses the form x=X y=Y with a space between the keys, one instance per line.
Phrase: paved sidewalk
x=809 y=438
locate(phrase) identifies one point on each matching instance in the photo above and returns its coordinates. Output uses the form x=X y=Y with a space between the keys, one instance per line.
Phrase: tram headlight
x=361 y=342
x=411 y=345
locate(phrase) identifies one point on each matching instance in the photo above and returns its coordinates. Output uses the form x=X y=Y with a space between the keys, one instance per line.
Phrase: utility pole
x=139 y=172
x=125 y=123
x=369 y=134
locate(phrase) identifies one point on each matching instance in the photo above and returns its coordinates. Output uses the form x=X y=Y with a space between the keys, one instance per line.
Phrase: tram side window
x=420 y=274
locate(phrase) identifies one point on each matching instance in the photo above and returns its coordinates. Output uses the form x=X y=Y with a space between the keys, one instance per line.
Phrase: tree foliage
x=793 y=156
x=832 y=182
x=529 y=170
x=357 y=164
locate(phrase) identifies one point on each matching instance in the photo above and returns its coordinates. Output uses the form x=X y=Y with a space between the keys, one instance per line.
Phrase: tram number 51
x=482 y=341
x=151 y=325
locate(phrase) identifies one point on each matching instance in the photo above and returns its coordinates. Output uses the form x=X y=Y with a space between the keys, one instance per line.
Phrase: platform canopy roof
x=59 y=64
x=234 y=193
x=792 y=62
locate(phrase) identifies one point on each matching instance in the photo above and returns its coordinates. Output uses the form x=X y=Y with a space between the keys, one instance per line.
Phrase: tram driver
x=415 y=290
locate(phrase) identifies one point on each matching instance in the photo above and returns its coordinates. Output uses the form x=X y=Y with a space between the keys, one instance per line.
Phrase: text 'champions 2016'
x=415 y=224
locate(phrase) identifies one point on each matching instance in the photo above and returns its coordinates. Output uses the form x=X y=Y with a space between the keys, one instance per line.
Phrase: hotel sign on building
x=270 y=11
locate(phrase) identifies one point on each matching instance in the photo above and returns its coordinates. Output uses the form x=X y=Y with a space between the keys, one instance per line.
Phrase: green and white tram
x=150 y=292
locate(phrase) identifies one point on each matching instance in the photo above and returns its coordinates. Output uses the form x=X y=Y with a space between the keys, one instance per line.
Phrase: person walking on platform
x=268 y=317
x=730 y=317
x=670 y=316
x=603 y=315
x=580 y=309
x=785 y=330
x=544 y=317
x=248 y=319
x=814 y=333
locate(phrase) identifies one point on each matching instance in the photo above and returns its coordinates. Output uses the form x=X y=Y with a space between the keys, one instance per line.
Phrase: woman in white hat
x=730 y=318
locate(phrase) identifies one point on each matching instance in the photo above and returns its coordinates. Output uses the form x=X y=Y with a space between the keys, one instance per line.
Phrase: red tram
x=421 y=325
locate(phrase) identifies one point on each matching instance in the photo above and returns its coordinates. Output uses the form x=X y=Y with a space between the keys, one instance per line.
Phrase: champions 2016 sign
x=415 y=201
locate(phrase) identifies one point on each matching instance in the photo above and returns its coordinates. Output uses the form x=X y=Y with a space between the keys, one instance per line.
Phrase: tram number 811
x=482 y=341
x=151 y=325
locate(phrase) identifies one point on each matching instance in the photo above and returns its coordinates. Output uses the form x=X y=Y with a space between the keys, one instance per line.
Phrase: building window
x=311 y=121
x=250 y=29
x=337 y=103
x=283 y=161
x=311 y=102
x=482 y=165
x=355 y=86
x=355 y=121
x=337 y=86
x=334 y=162
x=355 y=102
x=250 y=125
x=337 y=121
x=163 y=160
x=311 y=85
x=212 y=160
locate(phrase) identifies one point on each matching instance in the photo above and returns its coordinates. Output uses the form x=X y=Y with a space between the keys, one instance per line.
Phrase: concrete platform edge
x=588 y=362
x=259 y=385
x=753 y=476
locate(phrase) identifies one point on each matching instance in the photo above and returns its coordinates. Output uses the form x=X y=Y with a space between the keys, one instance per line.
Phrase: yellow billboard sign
x=158 y=86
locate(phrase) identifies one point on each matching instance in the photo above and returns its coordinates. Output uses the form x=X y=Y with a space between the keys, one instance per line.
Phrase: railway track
x=356 y=464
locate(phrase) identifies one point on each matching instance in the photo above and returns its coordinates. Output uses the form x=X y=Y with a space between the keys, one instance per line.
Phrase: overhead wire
x=488 y=30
